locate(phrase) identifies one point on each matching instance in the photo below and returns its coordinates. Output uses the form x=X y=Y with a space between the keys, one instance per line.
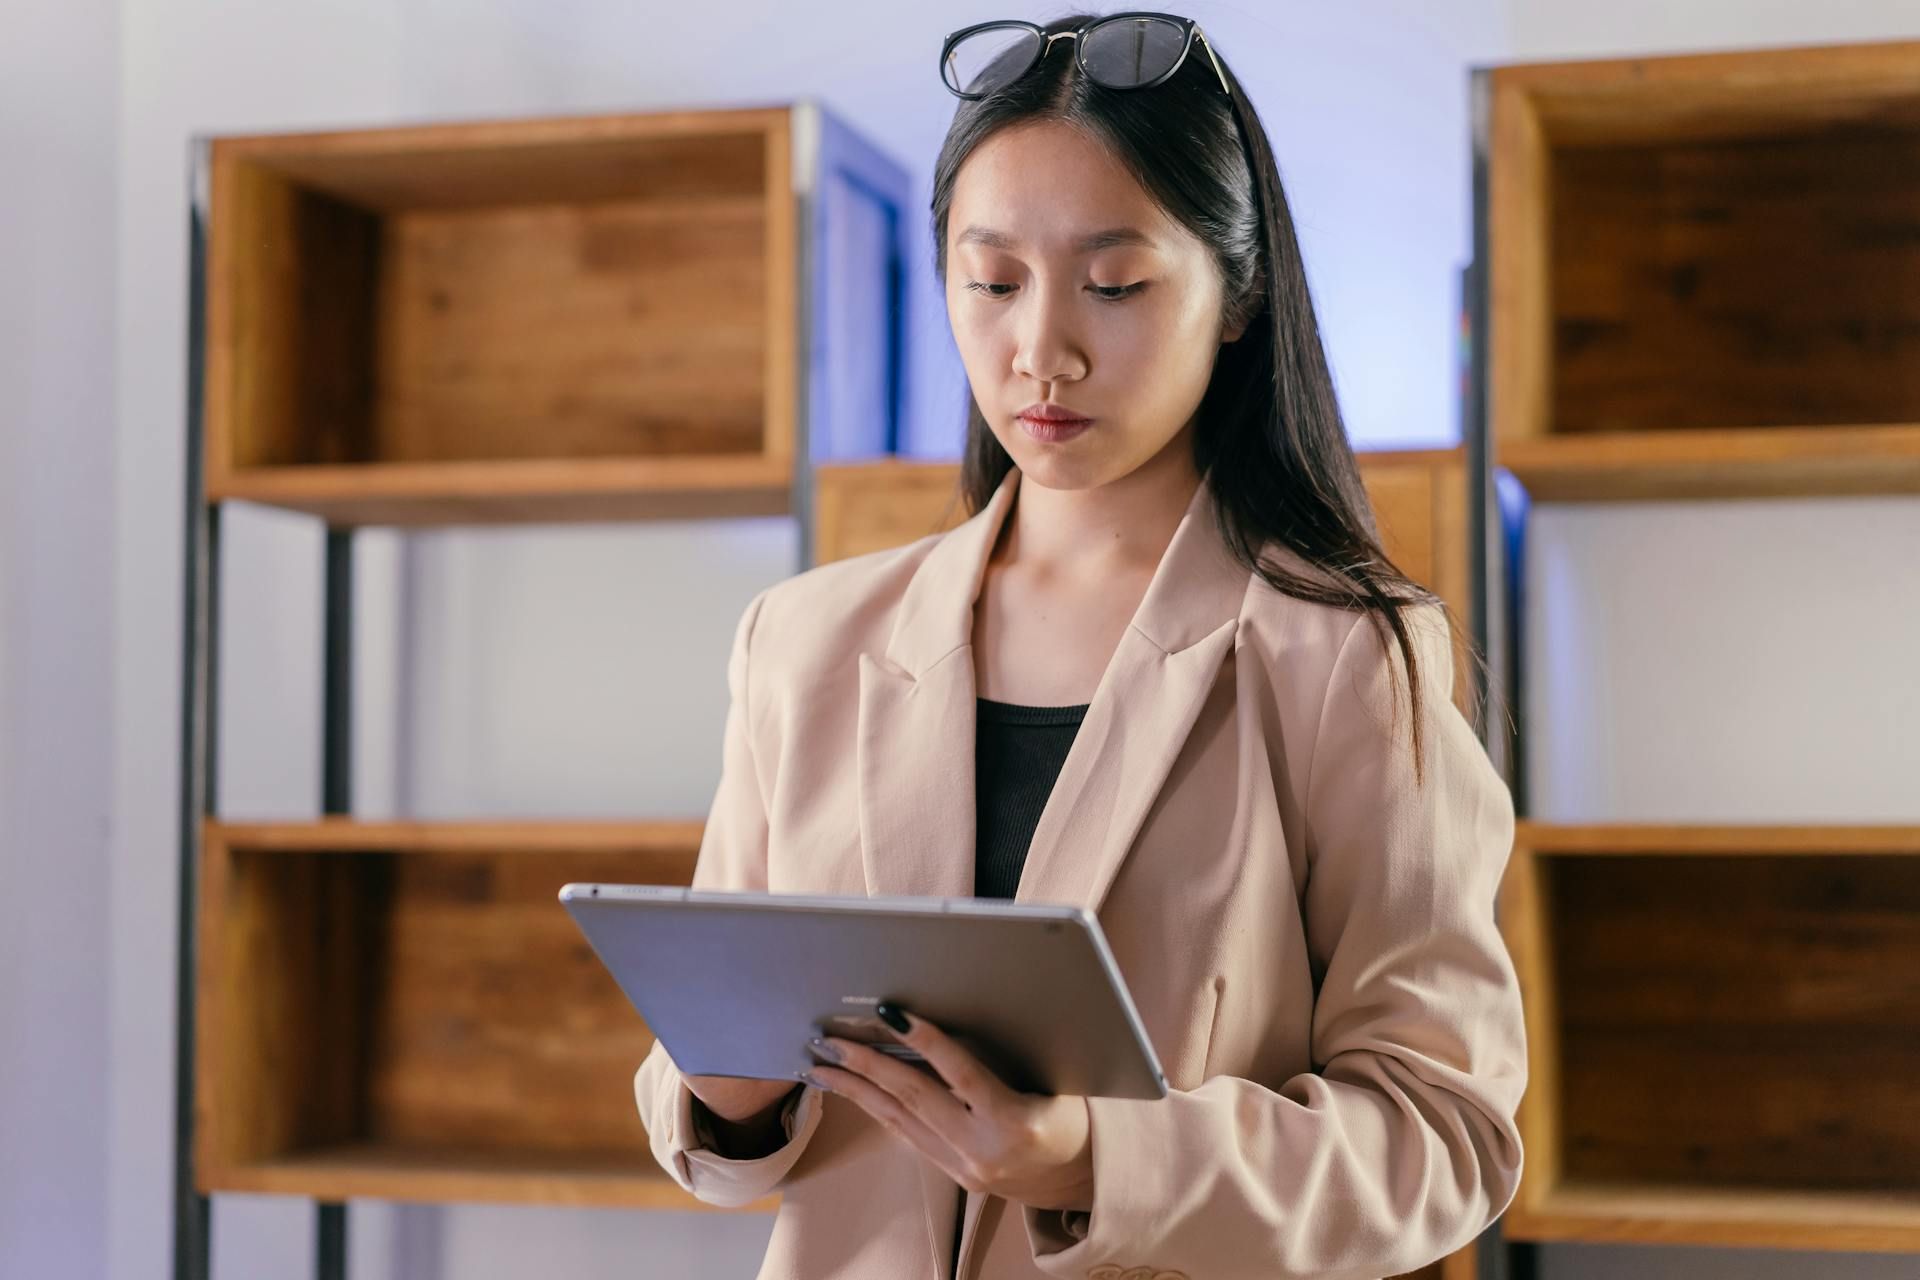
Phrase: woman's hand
x=1026 y=1147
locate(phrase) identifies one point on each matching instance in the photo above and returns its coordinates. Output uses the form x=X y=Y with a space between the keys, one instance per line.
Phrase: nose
x=1046 y=348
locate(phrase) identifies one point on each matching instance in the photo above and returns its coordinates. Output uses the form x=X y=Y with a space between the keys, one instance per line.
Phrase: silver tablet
x=735 y=983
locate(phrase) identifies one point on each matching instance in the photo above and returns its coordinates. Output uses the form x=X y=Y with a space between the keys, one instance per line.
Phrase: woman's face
x=1068 y=287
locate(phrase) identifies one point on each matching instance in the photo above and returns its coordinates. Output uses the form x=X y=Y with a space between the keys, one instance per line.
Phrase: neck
x=1124 y=525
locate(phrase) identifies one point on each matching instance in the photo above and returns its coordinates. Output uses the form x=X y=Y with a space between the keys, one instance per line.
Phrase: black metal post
x=192 y=1211
x=1493 y=599
x=1474 y=417
x=336 y=797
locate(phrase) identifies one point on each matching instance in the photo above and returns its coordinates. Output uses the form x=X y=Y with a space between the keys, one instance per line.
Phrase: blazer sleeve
x=733 y=855
x=1400 y=1146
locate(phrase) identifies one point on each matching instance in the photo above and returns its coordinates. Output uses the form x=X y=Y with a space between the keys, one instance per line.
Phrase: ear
x=1235 y=332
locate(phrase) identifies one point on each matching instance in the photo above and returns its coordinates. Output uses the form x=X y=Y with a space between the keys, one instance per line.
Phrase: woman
x=1170 y=592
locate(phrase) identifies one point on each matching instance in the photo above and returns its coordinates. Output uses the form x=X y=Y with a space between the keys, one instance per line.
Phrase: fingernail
x=807 y=1077
x=825 y=1050
x=892 y=1015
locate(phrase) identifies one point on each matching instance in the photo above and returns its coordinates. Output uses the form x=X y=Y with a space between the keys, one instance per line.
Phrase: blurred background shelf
x=1703 y=285
x=1615 y=466
x=404 y=1010
x=665 y=315
x=1678 y=1213
x=1725 y=1028
x=1704 y=278
x=548 y=491
x=585 y=318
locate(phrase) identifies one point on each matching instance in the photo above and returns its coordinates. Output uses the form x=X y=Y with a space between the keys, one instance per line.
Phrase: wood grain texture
x=1692 y=254
x=1735 y=1076
x=1723 y=95
x=863 y=507
x=404 y=1010
x=1738 y=284
x=558 y=320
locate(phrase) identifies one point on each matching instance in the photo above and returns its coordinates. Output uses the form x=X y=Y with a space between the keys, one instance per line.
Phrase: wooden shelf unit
x=1724 y=1026
x=553 y=319
x=1419 y=497
x=576 y=318
x=1703 y=281
x=403 y=1010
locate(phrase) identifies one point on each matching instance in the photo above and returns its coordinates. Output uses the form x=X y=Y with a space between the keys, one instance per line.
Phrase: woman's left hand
x=1031 y=1148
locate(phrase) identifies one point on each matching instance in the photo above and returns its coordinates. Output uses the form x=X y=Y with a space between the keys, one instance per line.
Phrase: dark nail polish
x=892 y=1016
x=825 y=1050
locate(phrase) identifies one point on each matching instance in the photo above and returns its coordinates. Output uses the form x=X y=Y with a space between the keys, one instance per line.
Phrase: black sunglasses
x=1119 y=51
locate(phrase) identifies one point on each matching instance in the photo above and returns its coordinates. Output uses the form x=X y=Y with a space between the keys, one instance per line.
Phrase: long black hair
x=1268 y=433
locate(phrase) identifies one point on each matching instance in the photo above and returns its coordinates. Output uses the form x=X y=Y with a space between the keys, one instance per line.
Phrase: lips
x=1054 y=413
x=1052 y=424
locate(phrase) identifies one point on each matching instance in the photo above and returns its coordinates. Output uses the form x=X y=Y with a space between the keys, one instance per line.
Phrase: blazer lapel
x=914 y=757
x=1142 y=711
x=915 y=742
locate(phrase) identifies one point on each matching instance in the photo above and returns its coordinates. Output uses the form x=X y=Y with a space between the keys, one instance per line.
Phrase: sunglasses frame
x=1189 y=28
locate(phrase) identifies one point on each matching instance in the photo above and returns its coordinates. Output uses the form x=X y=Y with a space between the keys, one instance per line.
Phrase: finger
x=888 y=1112
x=972 y=1081
x=920 y=1092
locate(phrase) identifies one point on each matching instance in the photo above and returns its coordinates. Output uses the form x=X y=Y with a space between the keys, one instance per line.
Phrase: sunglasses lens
x=990 y=59
x=1129 y=52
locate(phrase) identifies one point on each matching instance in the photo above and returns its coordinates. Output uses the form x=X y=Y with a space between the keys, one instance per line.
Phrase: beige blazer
x=1309 y=937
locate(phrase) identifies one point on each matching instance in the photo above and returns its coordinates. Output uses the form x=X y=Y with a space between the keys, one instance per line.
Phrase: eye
x=1116 y=292
x=988 y=289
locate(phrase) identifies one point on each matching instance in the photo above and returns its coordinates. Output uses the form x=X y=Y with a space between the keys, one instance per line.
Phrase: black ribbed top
x=1017 y=754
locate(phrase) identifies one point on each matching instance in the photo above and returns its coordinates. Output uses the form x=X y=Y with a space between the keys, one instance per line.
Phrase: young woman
x=1164 y=671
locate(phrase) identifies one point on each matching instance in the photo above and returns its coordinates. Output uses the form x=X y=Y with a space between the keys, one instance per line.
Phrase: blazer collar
x=1196 y=587
x=915 y=741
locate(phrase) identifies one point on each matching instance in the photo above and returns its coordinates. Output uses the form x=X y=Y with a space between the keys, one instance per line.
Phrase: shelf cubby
x=404 y=1011
x=1704 y=281
x=1724 y=1025
x=552 y=319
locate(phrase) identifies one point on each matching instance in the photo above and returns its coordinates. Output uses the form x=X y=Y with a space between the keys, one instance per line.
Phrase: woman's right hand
x=737 y=1099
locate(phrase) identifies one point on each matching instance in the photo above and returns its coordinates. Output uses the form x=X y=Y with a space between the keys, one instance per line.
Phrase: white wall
x=1721 y=662
x=59 y=89
x=475 y=700
x=1547 y=30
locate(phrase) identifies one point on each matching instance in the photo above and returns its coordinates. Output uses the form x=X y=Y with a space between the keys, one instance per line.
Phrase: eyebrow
x=1111 y=237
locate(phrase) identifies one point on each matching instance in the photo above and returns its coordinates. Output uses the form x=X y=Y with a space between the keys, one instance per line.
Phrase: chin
x=1052 y=471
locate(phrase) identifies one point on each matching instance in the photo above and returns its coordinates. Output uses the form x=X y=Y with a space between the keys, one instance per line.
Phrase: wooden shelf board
x=1629 y=839
x=333 y=834
x=503 y=492
x=380 y=1171
x=501 y=160
x=1754 y=1217
x=1721 y=94
x=1729 y=463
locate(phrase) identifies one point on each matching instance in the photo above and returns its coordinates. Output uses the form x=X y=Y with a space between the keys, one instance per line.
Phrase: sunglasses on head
x=1119 y=51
